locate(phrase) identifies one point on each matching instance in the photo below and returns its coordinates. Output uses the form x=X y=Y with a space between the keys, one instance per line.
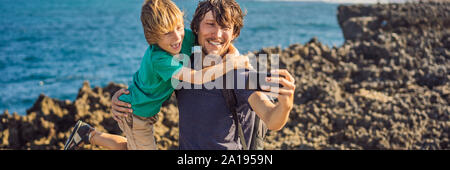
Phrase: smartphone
x=258 y=79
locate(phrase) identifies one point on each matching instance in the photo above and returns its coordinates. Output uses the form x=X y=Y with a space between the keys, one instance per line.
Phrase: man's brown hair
x=226 y=12
x=159 y=17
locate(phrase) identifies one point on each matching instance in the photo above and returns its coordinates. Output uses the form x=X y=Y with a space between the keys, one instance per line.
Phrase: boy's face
x=171 y=41
x=214 y=38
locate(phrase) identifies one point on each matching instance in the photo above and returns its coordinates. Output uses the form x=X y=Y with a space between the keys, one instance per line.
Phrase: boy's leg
x=78 y=136
x=139 y=132
x=83 y=133
x=109 y=141
x=144 y=137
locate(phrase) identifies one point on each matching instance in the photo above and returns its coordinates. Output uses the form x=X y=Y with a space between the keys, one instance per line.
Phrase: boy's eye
x=168 y=33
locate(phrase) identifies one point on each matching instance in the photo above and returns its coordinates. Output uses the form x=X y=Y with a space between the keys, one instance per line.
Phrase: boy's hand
x=119 y=108
x=238 y=62
x=242 y=62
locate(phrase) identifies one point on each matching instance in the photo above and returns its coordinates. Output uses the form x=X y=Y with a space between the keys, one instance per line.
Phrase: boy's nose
x=177 y=35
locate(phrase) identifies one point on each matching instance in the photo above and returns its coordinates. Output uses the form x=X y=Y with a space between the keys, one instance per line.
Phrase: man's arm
x=276 y=115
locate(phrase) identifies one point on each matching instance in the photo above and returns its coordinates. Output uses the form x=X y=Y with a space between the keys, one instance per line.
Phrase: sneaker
x=80 y=134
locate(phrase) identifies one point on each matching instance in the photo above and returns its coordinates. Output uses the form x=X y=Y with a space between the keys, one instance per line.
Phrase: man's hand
x=285 y=94
x=119 y=108
x=275 y=115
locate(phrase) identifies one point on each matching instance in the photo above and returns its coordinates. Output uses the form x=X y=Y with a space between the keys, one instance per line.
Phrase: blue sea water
x=52 y=46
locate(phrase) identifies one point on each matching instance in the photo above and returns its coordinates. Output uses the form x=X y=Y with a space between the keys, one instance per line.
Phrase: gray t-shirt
x=207 y=123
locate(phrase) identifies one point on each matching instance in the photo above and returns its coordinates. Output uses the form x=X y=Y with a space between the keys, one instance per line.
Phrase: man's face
x=214 y=38
x=171 y=41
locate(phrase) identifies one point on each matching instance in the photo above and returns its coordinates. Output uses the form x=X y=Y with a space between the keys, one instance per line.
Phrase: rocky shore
x=386 y=87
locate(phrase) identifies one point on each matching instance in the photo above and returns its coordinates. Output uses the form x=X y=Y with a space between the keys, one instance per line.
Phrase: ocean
x=52 y=46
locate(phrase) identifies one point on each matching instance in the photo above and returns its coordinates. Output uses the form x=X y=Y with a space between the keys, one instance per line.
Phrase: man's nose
x=217 y=32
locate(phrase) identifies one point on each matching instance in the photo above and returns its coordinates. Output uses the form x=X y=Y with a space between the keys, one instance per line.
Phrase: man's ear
x=233 y=38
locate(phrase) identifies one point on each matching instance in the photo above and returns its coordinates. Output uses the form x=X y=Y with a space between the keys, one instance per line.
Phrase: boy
x=152 y=83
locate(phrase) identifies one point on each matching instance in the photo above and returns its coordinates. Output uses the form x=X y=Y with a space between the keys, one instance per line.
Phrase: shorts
x=139 y=131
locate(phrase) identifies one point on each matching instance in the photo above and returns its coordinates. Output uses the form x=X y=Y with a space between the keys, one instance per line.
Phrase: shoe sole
x=71 y=137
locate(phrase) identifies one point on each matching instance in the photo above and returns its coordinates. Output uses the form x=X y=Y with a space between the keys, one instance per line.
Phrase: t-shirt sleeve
x=143 y=72
x=242 y=94
x=165 y=65
x=188 y=42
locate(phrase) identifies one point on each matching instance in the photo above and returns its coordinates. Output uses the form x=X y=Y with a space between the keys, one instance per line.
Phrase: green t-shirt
x=152 y=84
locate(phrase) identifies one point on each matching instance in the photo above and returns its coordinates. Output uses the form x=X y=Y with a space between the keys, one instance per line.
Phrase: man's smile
x=215 y=42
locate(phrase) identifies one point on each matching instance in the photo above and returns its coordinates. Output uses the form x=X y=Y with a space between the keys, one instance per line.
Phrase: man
x=205 y=121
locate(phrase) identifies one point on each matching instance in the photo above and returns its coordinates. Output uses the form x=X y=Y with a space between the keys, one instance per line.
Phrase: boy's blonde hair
x=159 y=17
